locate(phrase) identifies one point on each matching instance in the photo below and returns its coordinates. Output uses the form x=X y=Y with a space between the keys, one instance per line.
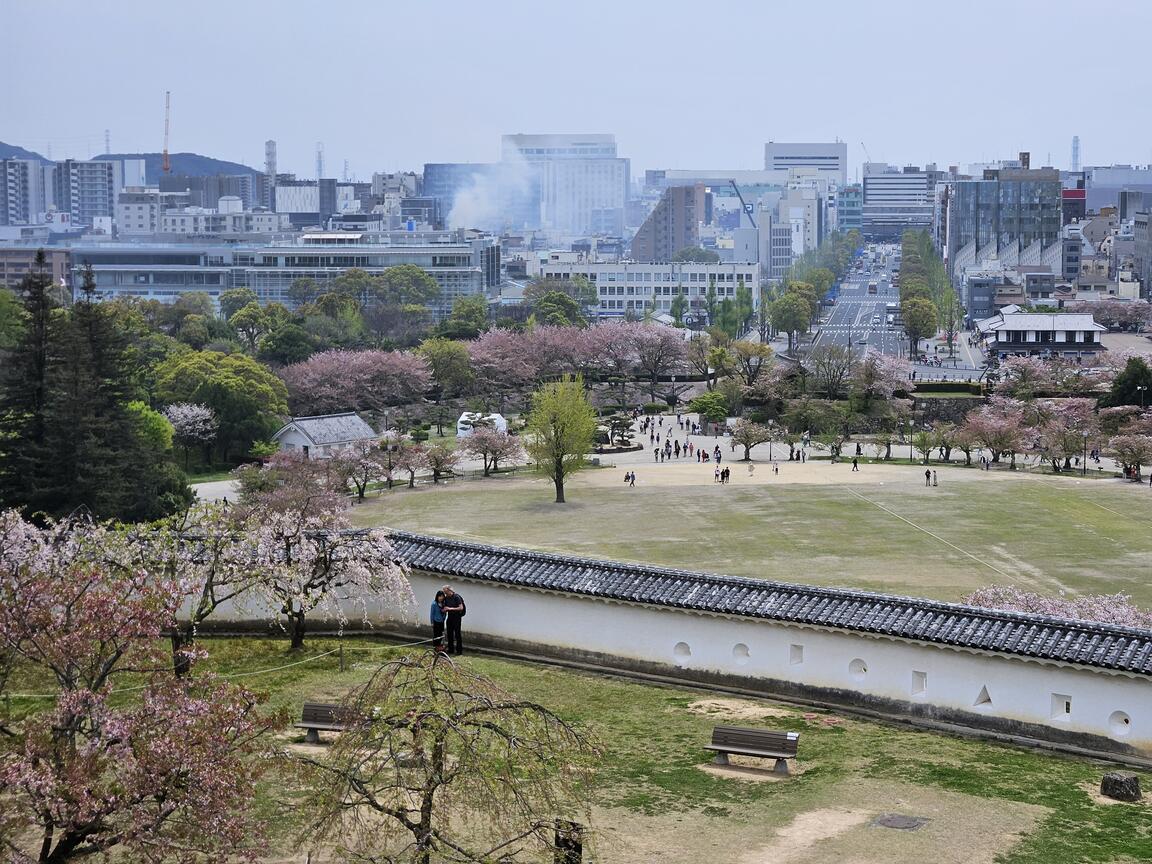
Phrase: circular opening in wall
x=858 y=669
x=681 y=652
x=1120 y=722
x=740 y=653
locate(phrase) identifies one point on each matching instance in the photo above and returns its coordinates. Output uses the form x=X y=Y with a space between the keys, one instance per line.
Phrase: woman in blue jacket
x=436 y=613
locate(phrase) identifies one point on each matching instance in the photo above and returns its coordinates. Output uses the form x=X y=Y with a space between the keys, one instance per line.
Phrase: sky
x=388 y=86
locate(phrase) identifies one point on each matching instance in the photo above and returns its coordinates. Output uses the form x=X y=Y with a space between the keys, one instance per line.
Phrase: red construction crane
x=165 y=165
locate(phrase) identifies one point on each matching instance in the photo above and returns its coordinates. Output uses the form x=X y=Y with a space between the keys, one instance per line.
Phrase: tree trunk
x=296 y=630
x=747 y=452
x=558 y=481
x=181 y=663
x=888 y=450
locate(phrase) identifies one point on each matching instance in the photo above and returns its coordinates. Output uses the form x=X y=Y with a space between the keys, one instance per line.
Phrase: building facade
x=21 y=191
x=631 y=288
x=16 y=262
x=896 y=200
x=827 y=161
x=850 y=208
x=673 y=225
x=583 y=184
x=86 y=190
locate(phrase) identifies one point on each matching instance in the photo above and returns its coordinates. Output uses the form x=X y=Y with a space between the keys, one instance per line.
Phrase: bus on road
x=873 y=286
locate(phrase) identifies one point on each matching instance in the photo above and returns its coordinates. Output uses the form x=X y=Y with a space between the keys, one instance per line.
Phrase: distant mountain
x=189 y=164
x=11 y=151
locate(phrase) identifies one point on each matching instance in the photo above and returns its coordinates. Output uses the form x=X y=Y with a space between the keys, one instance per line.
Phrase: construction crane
x=165 y=164
x=866 y=153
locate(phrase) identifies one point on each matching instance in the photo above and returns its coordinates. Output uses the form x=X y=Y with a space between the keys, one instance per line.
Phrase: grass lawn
x=655 y=801
x=879 y=529
x=211 y=476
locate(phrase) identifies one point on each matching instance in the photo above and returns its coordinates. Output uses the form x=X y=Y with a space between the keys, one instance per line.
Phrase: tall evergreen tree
x=23 y=389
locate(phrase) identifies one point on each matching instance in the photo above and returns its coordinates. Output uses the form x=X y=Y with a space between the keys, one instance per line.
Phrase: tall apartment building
x=21 y=191
x=138 y=209
x=827 y=161
x=896 y=200
x=583 y=184
x=850 y=208
x=673 y=225
x=86 y=190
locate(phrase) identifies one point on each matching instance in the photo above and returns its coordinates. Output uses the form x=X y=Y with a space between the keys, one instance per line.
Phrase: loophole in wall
x=1120 y=723
x=858 y=669
x=740 y=654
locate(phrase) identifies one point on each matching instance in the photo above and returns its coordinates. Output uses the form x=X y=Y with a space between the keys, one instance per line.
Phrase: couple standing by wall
x=446 y=613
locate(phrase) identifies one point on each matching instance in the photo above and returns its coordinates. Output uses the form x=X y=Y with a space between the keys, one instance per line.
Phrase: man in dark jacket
x=454 y=611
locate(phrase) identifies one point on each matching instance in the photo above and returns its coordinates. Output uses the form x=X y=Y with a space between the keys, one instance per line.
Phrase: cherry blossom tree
x=409 y=459
x=292 y=482
x=493 y=447
x=193 y=425
x=164 y=772
x=1132 y=452
x=611 y=351
x=502 y=363
x=660 y=351
x=1064 y=429
x=1023 y=377
x=361 y=464
x=441 y=460
x=369 y=381
x=998 y=426
x=748 y=434
x=1107 y=608
x=880 y=376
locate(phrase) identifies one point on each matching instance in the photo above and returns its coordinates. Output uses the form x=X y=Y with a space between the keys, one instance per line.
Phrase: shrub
x=418 y=434
x=654 y=408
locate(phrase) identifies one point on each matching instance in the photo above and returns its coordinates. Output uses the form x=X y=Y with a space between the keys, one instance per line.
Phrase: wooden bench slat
x=764 y=743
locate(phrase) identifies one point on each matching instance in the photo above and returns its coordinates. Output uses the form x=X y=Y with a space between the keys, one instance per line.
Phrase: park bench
x=320 y=717
x=742 y=741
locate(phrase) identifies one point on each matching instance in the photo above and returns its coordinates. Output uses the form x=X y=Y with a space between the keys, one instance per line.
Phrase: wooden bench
x=743 y=741
x=320 y=717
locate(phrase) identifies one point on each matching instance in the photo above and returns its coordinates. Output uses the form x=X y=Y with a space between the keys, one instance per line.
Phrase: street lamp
x=1084 y=458
x=911 y=460
x=1141 y=388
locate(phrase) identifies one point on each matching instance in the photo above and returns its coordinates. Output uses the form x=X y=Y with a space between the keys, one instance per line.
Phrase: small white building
x=469 y=420
x=1067 y=334
x=320 y=437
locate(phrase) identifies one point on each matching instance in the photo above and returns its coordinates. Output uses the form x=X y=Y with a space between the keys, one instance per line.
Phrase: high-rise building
x=21 y=191
x=850 y=208
x=583 y=184
x=828 y=161
x=87 y=190
x=896 y=200
x=673 y=225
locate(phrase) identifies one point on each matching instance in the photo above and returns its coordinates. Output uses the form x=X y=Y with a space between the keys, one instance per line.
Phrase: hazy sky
x=390 y=85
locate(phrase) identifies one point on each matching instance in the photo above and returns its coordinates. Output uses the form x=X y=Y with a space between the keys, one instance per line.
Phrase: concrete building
x=21 y=191
x=850 y=208
x=1104 y=184
x=138 y=209
x=462 y=264
x=583 y=184
x=86 y=190
x=201 y=221
x=896 y=200
x=827 y=161
x=674 y=224
x=312 y=202
x=629 y=287
x=16 y=262
x=207 y=191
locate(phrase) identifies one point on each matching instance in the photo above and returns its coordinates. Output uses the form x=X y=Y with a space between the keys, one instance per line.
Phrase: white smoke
x=493 y=199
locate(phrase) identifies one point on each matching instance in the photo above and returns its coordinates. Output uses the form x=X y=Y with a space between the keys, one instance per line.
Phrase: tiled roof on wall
x=1085 y=643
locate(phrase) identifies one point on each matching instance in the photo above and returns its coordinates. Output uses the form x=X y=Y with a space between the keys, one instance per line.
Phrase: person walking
x=776 y=468
x=716 y=474
x=855 y=465
x=934 y=478
x=927 y=477
x=454 y=612
x=436 y=615
x=632 y=479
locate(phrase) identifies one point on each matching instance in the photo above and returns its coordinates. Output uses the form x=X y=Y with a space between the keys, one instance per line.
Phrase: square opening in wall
x=919 y=683
x=795 y=654
x=1061 y=706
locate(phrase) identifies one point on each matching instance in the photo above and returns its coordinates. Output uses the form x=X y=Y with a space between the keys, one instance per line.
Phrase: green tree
x=578 y=288
x=246 y=396
x=407 y=285
x=286 y=345
x=451 y=366
x=11 y=320
x=820 y=278
x=559 y=310
x=250 y=323
x=1132 y=385
x=750 y=360
x=697 y=255
x=711 y=304
x=712 y=407
x=23 y=391
x=235 y=299
x=920 y=318
x=469 y=318
x=679 y=307
x=791 y=314
x=561 y=430
x=303 y=291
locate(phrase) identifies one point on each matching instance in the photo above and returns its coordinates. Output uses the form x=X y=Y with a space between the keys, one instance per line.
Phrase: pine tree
x=23 y=389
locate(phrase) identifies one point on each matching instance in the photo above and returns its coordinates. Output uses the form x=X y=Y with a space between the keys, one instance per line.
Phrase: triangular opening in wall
x=983 y=698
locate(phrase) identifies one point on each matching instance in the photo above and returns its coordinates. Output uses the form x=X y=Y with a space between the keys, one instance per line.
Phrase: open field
x=654 y=801
x=817 y=523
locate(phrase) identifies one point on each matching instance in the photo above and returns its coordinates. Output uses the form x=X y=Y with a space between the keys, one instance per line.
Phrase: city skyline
x=759 y=75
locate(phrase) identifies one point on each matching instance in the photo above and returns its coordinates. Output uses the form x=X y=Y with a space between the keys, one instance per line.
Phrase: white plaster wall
x=1019 y=689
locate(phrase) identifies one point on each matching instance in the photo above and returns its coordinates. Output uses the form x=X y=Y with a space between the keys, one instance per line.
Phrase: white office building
x=629 y=287
x=21 y=191
x=583 y=185
x=826 y=161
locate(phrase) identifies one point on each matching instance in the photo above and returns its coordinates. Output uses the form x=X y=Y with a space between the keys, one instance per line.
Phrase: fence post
x=341 y=653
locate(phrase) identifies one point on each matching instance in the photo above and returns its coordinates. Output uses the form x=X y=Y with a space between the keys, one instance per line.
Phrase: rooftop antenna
x=107 y=141
x=1075 y=152
x=345 y=170
x=319 y=160
x=165 y=164
x=270 y=171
